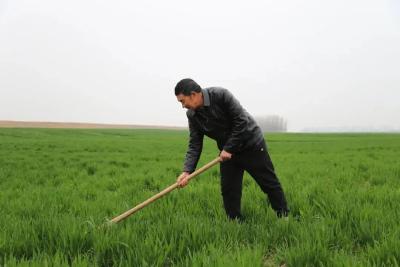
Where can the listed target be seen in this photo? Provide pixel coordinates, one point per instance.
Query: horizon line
(94, 125)
(82, 125)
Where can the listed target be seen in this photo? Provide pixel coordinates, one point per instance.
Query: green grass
(57, 187)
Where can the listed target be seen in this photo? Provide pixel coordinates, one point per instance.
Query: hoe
(162, 193)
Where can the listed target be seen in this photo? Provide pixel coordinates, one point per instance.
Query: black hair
(186, 87)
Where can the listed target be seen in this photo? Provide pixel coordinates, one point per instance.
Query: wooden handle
(164, 192)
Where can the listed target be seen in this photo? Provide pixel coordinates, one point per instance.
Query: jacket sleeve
(194, 149)
(239, 122)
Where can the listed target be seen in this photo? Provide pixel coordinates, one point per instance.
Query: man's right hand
(182, 179)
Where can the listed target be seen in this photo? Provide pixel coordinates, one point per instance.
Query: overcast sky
(319, 64)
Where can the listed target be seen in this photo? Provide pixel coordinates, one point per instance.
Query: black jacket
(223, 119)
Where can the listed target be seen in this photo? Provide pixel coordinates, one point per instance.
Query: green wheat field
(59, 186)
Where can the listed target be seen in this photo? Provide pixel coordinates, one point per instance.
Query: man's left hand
(224, 156)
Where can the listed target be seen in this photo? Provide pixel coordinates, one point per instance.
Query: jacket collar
(206, 97)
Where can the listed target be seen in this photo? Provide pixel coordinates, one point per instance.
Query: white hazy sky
(317, 63)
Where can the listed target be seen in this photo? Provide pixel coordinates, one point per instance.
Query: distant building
(271, 123)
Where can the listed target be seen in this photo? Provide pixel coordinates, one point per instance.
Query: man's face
(191, 101)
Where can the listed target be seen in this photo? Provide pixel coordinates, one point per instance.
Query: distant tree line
(271, 123)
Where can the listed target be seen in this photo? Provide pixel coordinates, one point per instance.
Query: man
(216, 113)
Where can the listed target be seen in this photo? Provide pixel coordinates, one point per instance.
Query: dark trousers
(258, 164)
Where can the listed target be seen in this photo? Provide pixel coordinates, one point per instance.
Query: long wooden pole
(163, 193)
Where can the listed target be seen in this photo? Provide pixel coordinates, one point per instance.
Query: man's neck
(202, 99)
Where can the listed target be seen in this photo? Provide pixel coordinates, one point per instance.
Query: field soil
(80, 125)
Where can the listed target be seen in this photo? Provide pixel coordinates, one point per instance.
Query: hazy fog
(319, 64)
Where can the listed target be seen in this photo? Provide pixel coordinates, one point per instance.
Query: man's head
(188, 92)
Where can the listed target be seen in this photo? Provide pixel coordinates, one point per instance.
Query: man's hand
(182, 179)
(225, 155)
